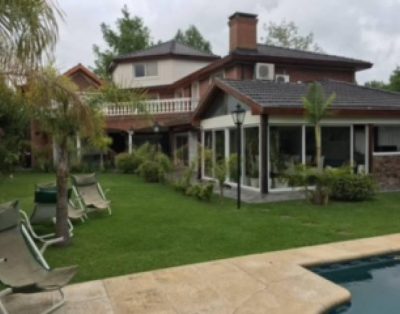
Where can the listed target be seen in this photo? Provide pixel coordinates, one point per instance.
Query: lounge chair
(46, 202)
(22, 266)
(89, 193)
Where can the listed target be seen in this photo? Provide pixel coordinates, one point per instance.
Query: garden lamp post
(156, 129)
(238, 118)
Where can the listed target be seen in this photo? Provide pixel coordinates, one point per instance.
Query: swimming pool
(374, 284)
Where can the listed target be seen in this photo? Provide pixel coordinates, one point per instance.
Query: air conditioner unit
(282, 78)
(265, 71)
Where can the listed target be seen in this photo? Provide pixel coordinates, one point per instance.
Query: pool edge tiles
(368, 280)
(272, 282)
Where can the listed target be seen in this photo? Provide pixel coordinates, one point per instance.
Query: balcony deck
(156, 106)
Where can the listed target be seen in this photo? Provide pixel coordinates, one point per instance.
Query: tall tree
(13, 126)
(393, 85)
(193, 38)
(286, 34)
(394, 80)
(130, 35)
(316, 106)
(376, 84)
(28, 34)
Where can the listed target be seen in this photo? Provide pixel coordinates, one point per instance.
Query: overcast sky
(364, 29)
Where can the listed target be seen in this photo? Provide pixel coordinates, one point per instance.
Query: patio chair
(22, 267)
(46, 202)
(89, 193)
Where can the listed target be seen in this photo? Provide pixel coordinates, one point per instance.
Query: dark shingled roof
(288, 95)
(171, 47)
(280, 52)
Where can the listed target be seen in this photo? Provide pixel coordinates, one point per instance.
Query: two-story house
(192, 93)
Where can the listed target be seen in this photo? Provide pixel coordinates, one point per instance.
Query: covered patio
(362, 131)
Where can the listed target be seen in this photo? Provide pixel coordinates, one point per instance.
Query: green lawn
(153, 226)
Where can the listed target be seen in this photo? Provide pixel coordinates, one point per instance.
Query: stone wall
(386, 170)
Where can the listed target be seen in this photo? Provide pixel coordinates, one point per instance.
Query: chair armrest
(47, 243)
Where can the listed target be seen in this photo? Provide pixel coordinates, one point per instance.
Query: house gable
(85, 79)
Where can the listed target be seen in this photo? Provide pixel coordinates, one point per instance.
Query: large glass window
(252, 157)
(219, 146)
(182, 149)
(233, 155)
(359, 154)
(207, 153)
(335, 146)
(387, 138)
(285, 153)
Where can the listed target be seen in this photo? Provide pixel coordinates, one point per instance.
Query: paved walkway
(273, 282)
(252, 196)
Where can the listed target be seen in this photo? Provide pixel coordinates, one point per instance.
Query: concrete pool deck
(274, 282)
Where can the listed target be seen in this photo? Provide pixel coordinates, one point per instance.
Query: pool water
(374, 284)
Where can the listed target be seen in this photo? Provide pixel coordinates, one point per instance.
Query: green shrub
(183, 183)
(150, 171)
(202, 191)
(352, 187)
(126, 163)
(144, 153)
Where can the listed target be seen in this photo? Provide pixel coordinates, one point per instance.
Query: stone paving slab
(274, 282)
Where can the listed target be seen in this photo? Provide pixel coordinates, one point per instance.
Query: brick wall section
(242, 32)
(386, 170)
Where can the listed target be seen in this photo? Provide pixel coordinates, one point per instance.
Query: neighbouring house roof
(296, 54)
(273, 97)
(83, 77)
(169, 48)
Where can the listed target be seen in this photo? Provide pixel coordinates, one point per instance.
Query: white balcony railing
(156, 106)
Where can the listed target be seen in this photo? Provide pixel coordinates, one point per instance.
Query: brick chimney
(242, 31)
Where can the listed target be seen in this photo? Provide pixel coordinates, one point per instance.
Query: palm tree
(28, 34)
(317, 106)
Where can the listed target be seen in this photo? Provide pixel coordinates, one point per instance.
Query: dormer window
(145, 69)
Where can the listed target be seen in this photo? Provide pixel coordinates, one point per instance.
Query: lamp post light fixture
(238, 118)
(156, 127)
(131, 132)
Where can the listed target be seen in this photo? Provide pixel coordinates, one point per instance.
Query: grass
(153, 226)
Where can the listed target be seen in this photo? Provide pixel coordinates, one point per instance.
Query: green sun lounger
(22, 267)
(89, 193)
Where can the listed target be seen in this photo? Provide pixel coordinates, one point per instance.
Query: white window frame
(390, 153)
(145, 64)
(303, 149)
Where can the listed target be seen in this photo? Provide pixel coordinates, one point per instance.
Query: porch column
(78, 147)
(130, 145)
(264, 154)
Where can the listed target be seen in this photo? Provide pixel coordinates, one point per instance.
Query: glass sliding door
(219, 149)
(285, 146)
(207, 153)
(360, 149)
(251, 157)
(335, 146)
(182, 149)
(233, 155)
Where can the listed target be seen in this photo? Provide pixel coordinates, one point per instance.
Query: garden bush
(202, 191)
(151, 171)
(127, 163)
(352, 187)
(155, 168)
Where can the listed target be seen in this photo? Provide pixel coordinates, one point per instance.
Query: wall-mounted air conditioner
(282, 78)
(265, 71)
